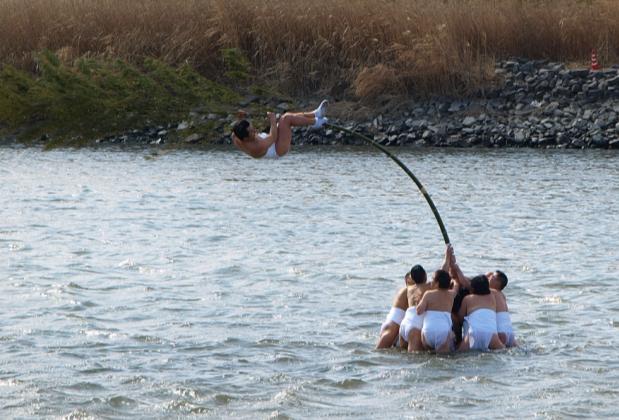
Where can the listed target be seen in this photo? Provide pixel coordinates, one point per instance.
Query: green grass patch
(237, 66)
(74, 104)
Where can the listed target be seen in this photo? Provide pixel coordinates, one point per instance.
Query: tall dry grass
(369, 47)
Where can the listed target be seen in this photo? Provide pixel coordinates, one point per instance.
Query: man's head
(480, 285)
(497, 280)
(418, 274)
(243, 129)
(442, 279)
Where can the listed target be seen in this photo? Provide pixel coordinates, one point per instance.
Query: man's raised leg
(284, 129)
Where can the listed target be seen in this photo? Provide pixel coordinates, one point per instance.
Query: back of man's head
(480, 285)
(442, 278)
(241, 129)
(418, 274)
(502, 279)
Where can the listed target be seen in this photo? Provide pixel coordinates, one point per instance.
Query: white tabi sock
(321, 111)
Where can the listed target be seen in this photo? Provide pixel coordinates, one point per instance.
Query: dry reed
(369, 47)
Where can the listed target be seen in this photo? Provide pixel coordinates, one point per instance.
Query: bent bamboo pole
(405, 169)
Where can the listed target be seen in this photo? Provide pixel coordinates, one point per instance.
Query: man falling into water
(276, 142)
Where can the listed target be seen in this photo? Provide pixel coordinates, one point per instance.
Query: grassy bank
(364, 47)
(89, 98)
(114, 63)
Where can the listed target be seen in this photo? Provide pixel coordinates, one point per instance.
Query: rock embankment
(534, 104)
(539, 104)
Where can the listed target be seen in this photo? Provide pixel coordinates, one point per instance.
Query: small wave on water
(19, 247)
(79, 414)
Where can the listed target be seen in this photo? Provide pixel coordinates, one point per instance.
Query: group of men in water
(451, 313)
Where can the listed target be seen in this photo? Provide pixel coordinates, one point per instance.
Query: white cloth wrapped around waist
(271, 152)
(395, 315)
(504, 322)
(411, 320)
(481, 326)
(504, 326)
(436, 328)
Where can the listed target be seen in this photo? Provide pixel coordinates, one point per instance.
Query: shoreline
(537, 104)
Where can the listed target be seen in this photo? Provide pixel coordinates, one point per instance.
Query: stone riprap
(538, 104)
(534, 104)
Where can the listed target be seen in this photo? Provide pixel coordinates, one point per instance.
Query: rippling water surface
(206, 283)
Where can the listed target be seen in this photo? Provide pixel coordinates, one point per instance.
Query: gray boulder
(469, 121)
(194, 138)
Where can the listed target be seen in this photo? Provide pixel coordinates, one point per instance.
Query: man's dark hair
(418, 274)
(241, 129)
(442, 278)
(502, 278)
(480, 285)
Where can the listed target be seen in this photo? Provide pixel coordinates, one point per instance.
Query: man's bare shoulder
(401, 298)
(402, 291)
(469, 298)
(498, 295)
(423, 289)
(238, 143)
(411, 290)
(254, 148)
(416, 292)
(416, 288)
(430, 295)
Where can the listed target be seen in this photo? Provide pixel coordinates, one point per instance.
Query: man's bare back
(415, 292)
(437, 300)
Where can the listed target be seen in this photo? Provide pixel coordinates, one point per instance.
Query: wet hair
(502, 278)
(480, 285)
(241, 129)
(442, 278)
(418, 274)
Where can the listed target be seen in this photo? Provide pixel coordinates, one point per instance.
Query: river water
(204, 283)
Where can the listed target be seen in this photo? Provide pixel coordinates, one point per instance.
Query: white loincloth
(411, 320)
(395, 315)
(271, 152)
(436, 328)
(504, 326)
(481, 326)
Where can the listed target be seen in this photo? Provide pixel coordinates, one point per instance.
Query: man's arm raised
(455, 272)
(272, 137)
(457, 275)
(447, 258)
